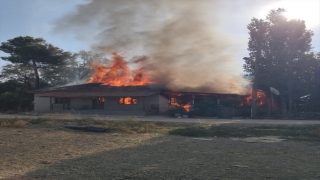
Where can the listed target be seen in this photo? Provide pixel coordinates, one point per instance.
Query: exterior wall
(57, 107)
(111, 104)
(41, 104)
(80, 103)
(163, 104)
(154, 104)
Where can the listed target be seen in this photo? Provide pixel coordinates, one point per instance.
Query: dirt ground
(58, 153)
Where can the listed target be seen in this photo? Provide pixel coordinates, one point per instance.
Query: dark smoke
(186, 49)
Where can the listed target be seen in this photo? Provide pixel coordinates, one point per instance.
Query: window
(98, 102)
(61, 100)
(101, 99)
(127, 100)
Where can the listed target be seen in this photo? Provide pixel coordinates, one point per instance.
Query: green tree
(34, 52)
(82, 61)
(258, 30)
(18, 72)
(274, 55)
(14, 96)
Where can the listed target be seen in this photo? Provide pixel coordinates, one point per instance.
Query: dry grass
(29, 149)
(60, 116)
(50, 152)
(129, 126)
(13, 123)
(19, 124)
(44, 149)
(5, 124)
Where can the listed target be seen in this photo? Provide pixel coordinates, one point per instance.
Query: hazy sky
(37, 18)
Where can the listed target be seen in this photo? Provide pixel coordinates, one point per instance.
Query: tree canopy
(277, 49)
(34, 52)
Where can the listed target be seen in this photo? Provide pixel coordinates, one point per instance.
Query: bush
(19, 124)
(5, 124)
(13, 123)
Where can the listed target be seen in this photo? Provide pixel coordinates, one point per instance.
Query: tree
(273, 56)
(257, 44)
(82, 61)
(34, 52)
(311, 82)
(14, 96)
(76, 69)
(290, 40)
(18, 72)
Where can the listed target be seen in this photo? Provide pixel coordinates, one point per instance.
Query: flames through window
(127, 100)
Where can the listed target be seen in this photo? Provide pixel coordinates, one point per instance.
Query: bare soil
(53, 152)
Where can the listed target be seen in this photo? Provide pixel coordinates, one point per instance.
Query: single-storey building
(95, 98)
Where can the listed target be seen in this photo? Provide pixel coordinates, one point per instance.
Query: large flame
(261, 99)
(118, 73)
(186, 107)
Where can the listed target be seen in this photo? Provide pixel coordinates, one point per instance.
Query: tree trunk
(255, 86)
(36, 74)
(254, 100)
(283, 106)
(290, 87)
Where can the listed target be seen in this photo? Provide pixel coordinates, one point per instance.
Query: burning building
(186, 57)
(123, 100)
(115, 89)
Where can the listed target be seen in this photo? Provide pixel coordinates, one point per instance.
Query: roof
(96, 90)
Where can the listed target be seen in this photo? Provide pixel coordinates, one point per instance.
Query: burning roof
(118, 73)
(186, 49)
(96, 90)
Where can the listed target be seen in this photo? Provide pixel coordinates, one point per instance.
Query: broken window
(127, 100)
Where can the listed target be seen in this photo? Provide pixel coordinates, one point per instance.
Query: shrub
(19, 124)
(5, 124)
(13, 123)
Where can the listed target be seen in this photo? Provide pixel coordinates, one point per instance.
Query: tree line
(280, 56)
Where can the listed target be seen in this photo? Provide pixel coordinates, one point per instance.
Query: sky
(36, 18)
(76, 25)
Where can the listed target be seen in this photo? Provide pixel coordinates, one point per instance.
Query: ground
(49, 151)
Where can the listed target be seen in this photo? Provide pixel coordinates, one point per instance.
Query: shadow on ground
(177, 157)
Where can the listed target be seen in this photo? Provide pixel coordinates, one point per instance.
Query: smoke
(186, 48)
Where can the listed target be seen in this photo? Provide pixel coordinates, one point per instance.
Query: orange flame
(186, 107)
(118, 73)
(261, 99)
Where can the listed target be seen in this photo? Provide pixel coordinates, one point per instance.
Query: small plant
(19, 124)
(13, 123)
(5, 124)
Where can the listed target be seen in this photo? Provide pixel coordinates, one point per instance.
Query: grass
(129, 126)
(13, 123)
(133, 126)
(288, 132)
